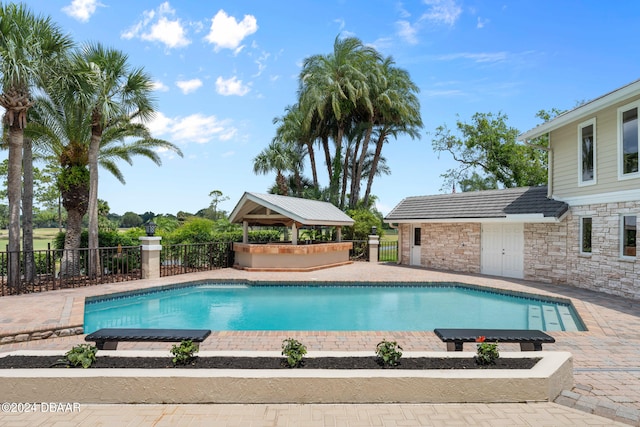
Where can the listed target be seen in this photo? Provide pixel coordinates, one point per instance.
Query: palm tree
(293, 129)
(29, 48)
(332, 88)
(397, 112)
(112, 92)
(279, 157)
(64, 135)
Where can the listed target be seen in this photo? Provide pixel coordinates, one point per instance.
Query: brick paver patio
(606, 359)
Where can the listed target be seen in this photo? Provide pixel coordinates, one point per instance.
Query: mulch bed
(15, 362)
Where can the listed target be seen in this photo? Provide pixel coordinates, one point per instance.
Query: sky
(224, 69)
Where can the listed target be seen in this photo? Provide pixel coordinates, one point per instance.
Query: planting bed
(264, 381)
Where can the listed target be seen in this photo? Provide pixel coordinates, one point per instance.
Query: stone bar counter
(290, 257)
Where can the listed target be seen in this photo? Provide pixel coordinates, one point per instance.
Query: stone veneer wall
(604, 270)
(405, 239)
(545, 252)
(451, 246)
(552, 250)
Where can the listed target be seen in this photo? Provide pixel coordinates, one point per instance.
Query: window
(628, 140)
(587, 152)
(416, 236)
(585, 235)
(628, 240)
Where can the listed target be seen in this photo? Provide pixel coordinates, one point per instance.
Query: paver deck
(606, 358)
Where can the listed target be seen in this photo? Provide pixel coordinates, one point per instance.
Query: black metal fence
(359, 251)
(191, 258)
(60, 269)
(388, 251)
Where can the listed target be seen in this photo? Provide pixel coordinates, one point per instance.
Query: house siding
(564, 144)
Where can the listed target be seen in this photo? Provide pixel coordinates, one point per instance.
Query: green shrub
(487, 352)
(82, 354)
(294, 350)
(388, 352)
(184, 353)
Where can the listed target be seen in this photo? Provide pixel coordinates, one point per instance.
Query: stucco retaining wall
(544, 382)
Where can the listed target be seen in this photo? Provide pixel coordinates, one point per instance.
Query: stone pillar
(245, 232)
(374, 243)
(294, 234)
(151, 248)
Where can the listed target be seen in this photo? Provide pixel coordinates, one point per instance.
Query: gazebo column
(339, 233)
(245, 232)
(294, 234)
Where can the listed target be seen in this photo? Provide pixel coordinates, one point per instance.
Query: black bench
(107, 339)
(530, 340)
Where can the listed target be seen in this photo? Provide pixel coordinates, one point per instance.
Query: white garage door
(503, 250)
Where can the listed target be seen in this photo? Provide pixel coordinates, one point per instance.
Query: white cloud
(227, 33)
(160, 87)
(188, 86)
(82, 9)
(231, 86)
(156, 26)
(193, 128)
(407, 32)
(483, 57)
(442, 11)
(482, 22)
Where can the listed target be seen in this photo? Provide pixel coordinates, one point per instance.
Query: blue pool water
(344, 307)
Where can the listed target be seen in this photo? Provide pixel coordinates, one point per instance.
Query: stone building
(579, 230)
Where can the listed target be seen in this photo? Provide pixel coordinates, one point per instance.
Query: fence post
(374, 243)
(151, 248)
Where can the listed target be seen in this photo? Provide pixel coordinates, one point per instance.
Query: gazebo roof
(272, 209)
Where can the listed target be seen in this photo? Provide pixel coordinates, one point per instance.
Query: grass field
(41, 237)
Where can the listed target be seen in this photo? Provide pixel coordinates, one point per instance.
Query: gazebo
(255, 209)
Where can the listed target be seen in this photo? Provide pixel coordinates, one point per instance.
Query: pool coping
(544, 382)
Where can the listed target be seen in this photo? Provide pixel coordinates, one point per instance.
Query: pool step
(551, 320)
(567, 319)
(535, 317)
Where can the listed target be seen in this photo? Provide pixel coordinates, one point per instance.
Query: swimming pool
(328, 307)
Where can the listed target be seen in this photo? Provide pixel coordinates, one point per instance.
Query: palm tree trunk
(312, 160)
(334, 183)
(360, 166)
(94, 149)
(374, 165)
(27, 211)
(345, 176)
(70, 263)
(14, 185)
(327, 155)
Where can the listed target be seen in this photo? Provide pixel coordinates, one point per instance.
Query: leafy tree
(131, 219)
(364, 219)
(217, 197)
(487, 147)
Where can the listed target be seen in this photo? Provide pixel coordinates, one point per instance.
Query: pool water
(313, 307)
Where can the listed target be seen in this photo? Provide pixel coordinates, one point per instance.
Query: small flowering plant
(487, 352)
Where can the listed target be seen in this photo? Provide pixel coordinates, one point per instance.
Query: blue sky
(224, 69)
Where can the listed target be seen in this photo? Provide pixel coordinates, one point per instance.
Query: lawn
(41, 237)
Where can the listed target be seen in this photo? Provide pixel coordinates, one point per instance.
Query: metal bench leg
(107, 345)
(454, 346)
(530, 346)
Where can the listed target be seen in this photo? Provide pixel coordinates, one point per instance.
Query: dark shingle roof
(478, 205)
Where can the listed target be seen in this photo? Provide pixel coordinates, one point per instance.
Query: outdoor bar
(294, 253)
